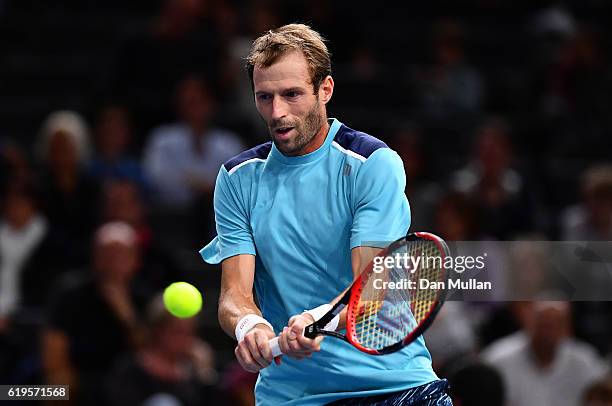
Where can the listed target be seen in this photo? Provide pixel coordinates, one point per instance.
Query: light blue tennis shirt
(301, 216)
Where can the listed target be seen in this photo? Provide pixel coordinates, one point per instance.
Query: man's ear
(326, 90)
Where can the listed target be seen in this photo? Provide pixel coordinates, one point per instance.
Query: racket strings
(424, 298)
(385, 316)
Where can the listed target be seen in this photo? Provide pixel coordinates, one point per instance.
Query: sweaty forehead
(290, 70)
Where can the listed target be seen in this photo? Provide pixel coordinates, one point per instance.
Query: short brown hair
(291, 37)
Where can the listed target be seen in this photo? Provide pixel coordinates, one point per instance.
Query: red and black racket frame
(352, 296)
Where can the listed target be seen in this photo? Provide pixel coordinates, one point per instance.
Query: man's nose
(279, 108)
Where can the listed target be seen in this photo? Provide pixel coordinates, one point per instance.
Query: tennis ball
(182, 300)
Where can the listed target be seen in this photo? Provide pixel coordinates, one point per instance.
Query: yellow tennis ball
(182, 300)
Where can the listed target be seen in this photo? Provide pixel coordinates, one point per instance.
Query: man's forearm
(232, 308)
(236, 297)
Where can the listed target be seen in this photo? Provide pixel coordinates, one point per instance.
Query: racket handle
(275, 347)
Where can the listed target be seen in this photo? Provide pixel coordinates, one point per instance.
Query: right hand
(253, 352)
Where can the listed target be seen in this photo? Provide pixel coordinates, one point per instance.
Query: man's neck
(544, 359)
(198, 133)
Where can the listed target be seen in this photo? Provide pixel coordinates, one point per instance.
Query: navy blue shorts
(430, 394)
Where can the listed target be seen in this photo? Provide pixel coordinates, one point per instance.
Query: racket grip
(275, 347)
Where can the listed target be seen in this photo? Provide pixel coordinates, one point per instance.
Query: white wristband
(320, 311)
(247, 323)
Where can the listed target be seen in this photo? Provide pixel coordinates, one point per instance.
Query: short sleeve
(381, 210)
(234, 234)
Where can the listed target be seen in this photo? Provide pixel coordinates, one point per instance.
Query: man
(92, 320)
(294, 216)
(542, 364)
(180, 159)
(173, 363)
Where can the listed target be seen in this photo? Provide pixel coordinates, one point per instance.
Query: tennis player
(296, 218)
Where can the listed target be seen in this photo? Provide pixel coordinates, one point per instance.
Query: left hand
(292, 341)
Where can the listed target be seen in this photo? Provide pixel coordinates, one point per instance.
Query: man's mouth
(283, 133)
(283, 130)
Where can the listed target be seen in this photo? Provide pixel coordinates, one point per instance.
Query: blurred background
(116, 116)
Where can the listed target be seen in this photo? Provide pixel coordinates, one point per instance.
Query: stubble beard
(305, 132)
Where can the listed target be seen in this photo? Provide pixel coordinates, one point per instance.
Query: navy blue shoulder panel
(260, 151)
(358, 142)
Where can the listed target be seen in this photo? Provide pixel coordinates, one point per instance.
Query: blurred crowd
(106, 182)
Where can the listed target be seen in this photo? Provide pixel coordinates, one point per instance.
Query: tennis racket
(389, 308)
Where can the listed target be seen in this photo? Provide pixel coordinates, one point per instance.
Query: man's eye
(292, 95)
(263, 97)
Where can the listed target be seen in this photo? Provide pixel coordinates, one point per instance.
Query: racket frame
(352, 295)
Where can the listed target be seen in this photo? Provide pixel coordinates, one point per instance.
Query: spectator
(174, 362)
(591, 220)
(182, 159)
(28, 261)
(27, 266)
(542, 365)
(450, 87)
(68, 195)
(530, 267)
(94, 320)
(507, 319)
(113, 137)
(503, 201)
(452, 334)
(122, 201)
(570, 76)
